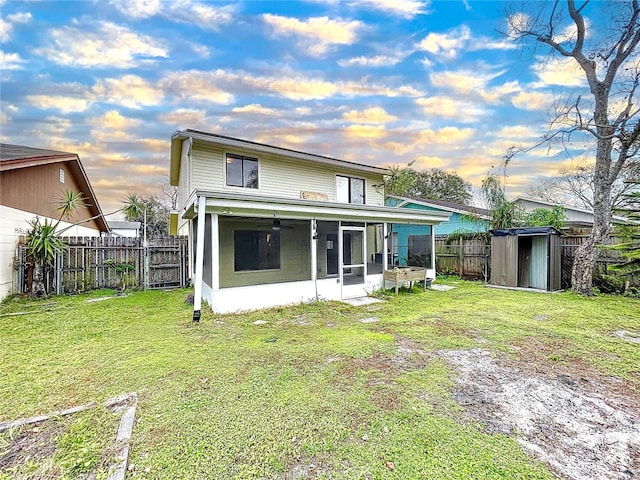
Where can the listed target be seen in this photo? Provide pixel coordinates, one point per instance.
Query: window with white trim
(350, 190)
(241, 171)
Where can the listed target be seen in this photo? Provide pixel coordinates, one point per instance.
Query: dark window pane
(419, 251)
(357, 191)
(250, 172)
(234, 171)
(256, 250)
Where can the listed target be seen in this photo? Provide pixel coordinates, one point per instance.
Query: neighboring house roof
(445, 205)
(13, 157)
(179, 136)
(573, 214)
(124, 225)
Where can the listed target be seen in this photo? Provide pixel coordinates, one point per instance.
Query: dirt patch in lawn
(35, 443)
(576, 423)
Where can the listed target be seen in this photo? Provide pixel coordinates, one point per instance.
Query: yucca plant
(43, 242)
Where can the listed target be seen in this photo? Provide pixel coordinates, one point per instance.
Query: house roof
(445, 205)
(18, 156)
(544, 204)
(124, 224)
(180, 135)
(237, 204)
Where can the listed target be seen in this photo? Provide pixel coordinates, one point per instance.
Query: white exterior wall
(228, 300)
(277, 176)
(184, 186)
(15, 223)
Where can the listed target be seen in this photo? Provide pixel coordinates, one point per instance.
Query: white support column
(433, 249)
(197, 296)
(385, 243)
(215, 253)
(314, 255)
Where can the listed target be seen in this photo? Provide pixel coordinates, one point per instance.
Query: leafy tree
(544, 217)
(504, 214)
(43, 242)
(433, 184)
(605, 50)
(630, 250)
(149, 208)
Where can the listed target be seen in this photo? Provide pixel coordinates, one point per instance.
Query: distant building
(124, 229)
(31, 182)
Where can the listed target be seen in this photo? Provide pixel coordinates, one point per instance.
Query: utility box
(528, 257)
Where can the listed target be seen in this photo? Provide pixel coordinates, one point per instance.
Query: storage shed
(527, 257)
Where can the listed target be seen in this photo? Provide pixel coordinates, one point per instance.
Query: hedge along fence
(111, 262)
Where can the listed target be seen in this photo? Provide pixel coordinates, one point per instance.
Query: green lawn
(314, 392)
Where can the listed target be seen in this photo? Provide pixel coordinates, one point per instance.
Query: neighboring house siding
(37, 189)
(295, 255)
(277, 176)
(14, 224)
(457, 221)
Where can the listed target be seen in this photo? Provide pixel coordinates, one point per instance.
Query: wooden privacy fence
(471, 257)
(466, 257)
(111, 262)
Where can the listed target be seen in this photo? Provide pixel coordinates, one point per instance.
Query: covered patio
(251, 252)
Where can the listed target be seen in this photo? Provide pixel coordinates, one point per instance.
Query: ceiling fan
(276, 225)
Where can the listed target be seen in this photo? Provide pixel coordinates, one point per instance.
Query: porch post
(385, 244)
(433, 249)
(215, 253)
(197, 296)
(314, 255)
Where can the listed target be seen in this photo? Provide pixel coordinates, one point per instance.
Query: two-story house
(272, 226)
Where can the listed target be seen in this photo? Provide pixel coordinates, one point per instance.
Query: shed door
(538, 269)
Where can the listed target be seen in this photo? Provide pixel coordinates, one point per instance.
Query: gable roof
(445, 205)
(544, 204)
(180, 135)
(13, 157)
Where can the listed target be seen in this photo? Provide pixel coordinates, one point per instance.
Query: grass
(313, 392)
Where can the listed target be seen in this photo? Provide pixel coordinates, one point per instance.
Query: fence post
(461, 256)
(58, 274)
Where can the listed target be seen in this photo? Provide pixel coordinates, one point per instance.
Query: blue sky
(374, 81)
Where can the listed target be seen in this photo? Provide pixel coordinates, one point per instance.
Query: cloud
(463, 81)
(10, 61)
(448, 107)
(6, 26)
(139, 8)
(129, 91)
(203, 15)
(59, 102)
(318, 34)
(113, 120)
(184, 117)
(255, 109)
(384, 59)
(365, 131)
(103, 44)
(200, 50)
(400, 8)
(533, 100)
(370, 115)
(558, 71)
(198, 85)
(446, 44)
(446, 135)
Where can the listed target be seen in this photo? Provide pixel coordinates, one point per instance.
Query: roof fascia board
(307, 157)
(441, 207)
(35, 161)
(270, 207)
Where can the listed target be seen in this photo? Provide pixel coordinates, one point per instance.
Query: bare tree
(574, 186)
(171, 194)
(608, 112)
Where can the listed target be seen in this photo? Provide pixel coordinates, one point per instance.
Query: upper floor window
(349, 190)
(242, 171)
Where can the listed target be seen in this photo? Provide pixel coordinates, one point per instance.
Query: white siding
(278, 176)
(14, 224)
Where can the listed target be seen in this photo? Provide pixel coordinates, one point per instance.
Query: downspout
(197, 296)
(314, 255)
